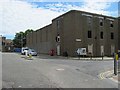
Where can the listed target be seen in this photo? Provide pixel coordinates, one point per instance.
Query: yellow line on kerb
(102, 75)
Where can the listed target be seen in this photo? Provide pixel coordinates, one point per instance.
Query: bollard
(115, 64)
(117, 57)
(30, 56)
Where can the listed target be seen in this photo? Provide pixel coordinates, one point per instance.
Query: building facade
(2, 43)
(6, 45)
(77, 29)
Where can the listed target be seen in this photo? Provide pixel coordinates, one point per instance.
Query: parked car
(32, 52)
(23, 50)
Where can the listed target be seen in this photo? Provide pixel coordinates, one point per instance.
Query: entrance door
(102, 50)
(58, 50)
(90, 49)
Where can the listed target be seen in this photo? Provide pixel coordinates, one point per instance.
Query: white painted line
(103, 75)
(60, 69)
(19, 86)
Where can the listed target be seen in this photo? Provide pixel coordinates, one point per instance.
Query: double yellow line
(105, 74)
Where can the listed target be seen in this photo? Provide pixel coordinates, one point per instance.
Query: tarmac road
(18, 72)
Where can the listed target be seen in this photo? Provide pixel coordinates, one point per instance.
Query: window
(58, 38)
(112, 35)
(101, 22)
(101, 35)
(111, 23)
(89, 20)
(3, 43)
(89, 34)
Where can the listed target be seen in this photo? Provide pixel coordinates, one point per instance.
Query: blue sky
(20, 15)
(113, 6)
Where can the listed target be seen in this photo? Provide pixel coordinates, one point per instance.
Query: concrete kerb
(76, 58)
(94, 59)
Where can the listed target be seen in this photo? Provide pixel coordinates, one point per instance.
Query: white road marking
(60, 69)
(103, 75)
(19, 86)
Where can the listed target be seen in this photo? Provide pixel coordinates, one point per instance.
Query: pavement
(94, 58)
(46, 56)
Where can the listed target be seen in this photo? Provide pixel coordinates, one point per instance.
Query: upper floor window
(89, 20)
(101, 35)
(112, 35)
(111, 23)
(89, 34)
(101, 22)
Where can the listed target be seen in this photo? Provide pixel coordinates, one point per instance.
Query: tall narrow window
(101, 22)
(89, 20)
(112, 35)
(89, 34)
(101, 35)
(111, 23)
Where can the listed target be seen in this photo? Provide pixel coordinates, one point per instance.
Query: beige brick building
(77, 29)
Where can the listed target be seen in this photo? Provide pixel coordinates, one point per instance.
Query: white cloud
(20, 16)
(98, 6)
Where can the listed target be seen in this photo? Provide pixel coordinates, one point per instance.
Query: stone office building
(77, 29)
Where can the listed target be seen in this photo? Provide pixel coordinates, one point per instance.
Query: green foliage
(20, 38)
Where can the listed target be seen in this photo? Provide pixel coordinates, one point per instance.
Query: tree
(20, 38)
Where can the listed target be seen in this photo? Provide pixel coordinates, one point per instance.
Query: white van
(23, 50)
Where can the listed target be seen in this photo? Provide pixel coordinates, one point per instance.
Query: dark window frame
(112, 35)
(101, 22)
(111, 24)
(101, 35)
(89, 34)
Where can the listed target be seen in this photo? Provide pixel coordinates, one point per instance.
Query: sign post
(115, 63)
